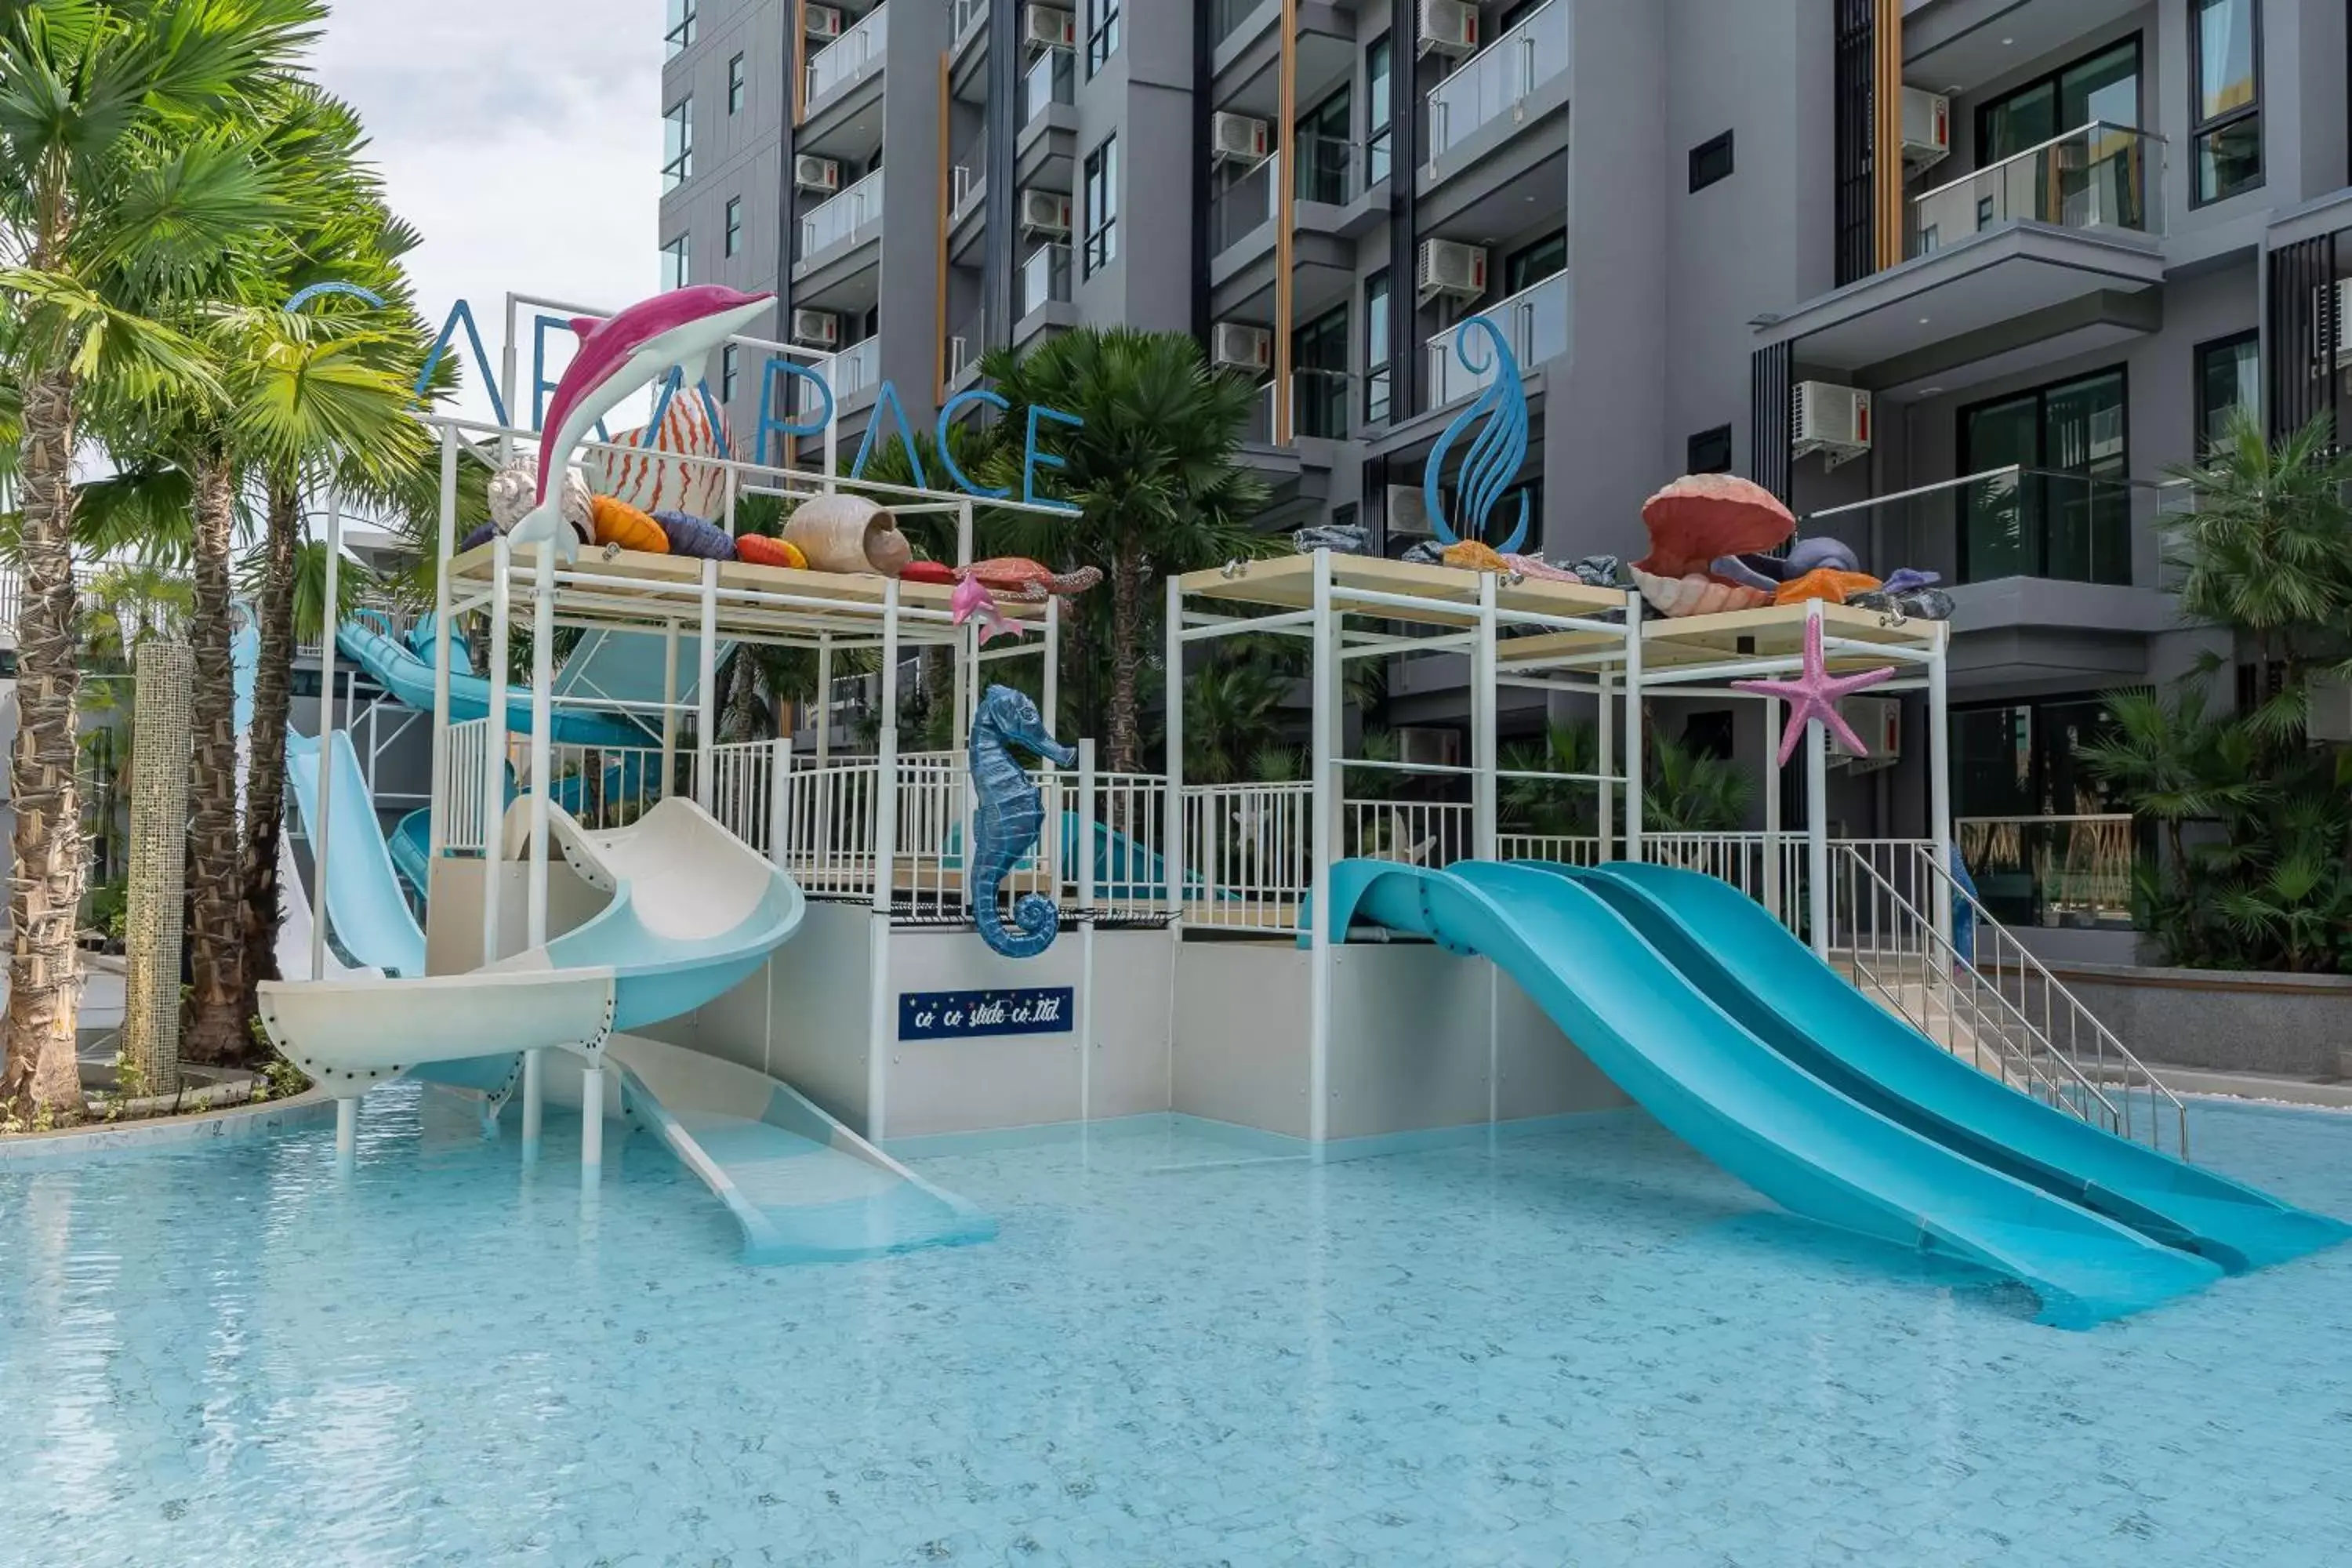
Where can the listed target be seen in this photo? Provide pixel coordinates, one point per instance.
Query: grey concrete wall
(2300, 1026)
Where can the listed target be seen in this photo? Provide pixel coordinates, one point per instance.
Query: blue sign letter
(956, 475)
(886, 401)
(769, 402)
(1033, 459)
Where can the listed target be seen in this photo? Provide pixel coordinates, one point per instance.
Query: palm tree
(115, 188)
(1151, 473)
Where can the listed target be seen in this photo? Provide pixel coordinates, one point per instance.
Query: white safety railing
(743, 794)
(838, 218)
(857, 366)
(1249, 850)
(1414, 832)
(1561, 849)
(1495, 80)
(460, 786)
(601, 786)
(381, 614)
(844, 60)
(1128, 820)
(1534, 321)
(829, 820)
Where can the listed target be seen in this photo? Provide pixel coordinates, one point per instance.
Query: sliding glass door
(2068, 513)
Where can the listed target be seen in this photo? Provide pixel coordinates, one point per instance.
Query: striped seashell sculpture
(514, 491)
(661, 477)
(848, 533)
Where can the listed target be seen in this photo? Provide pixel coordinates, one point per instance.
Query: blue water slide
(366, 907)
(1750, 965)
(409, 678)
(1802, 1142)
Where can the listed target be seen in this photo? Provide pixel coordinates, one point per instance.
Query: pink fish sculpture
(971, 601)
(620, 356)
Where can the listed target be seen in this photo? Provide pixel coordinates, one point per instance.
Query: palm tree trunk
(265, 793)
(45, 897)
(216, 939)
(1126, 656)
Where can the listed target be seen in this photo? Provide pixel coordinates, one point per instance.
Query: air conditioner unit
(817, 328)
(1048, 27)
(1449, 269)
(1878, 722)
(1831, 419)
(823, 21)
(1408, 513)
(1449, 27)
(1046, 212)
(1428, 747)
(811, 172)
(1927, 128)
(1237, 138)
(1237, 345)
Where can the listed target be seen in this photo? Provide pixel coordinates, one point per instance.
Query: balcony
(1046, 148)
(966, 342)
(2099, 177)
(1042, 293)
(967, 192)
(1519, 78)
(1242, 208)
(1320, 403)
(839, 221)
(1332, 211)
(968, 51)
(1245, 57)
(853, 58)
(1534, 321)
(856, 370)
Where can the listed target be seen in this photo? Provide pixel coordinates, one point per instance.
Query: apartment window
(730, 361)
(1102, 205)
(2229, 378)
(1102, 33)
(677, 145)
(1377, 382)
(680, 32)
(674, 263)
(1531, 264)
(734, 224)
(1710, 161)
(1324, 154)
(1319, 376)
(736, 79)
(1379, 101)
(1710, 451)
(2103, 86)
(2226, 114)
(2066, 514)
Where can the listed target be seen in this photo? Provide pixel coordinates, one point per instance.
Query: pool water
(1588, 1347)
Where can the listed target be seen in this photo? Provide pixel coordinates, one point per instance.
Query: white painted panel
(1241, 1033)
(1409, 1040)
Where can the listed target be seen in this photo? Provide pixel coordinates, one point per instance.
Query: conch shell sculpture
(845, 532)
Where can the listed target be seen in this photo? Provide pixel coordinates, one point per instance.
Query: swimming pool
(1585, 1347)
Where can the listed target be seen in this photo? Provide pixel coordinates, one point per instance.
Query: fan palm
(116, 189)
(1150, 473)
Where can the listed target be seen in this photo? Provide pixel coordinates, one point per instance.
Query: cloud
(521, 137)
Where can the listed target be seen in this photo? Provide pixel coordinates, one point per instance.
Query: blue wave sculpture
(1494, 458)
(1008, 815)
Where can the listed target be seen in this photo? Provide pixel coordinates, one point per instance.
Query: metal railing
(1245, 205)
(966, 344)
(2017, 522)
(601, 786)
(857, 367)
(1534, 321)
(1230, 14)
(2097, 177)
(968, 178)
(837, 218)
(1249, 850)
(385, 613)
(1499, 79)
(1046, 278)
(1320, 403)
(1052, 78)
(966, 15)
(460, 786)
(844, 60)
(1329, 171)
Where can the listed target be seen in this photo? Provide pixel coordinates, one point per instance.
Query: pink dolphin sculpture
(618, 356)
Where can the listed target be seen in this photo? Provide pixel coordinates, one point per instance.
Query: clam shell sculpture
(848, 533)
(1696, 593)
(1702, 516)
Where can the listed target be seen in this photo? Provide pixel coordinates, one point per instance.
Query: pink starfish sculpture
(1815, 694)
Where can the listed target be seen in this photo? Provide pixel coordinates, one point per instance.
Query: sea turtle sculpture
(1032, 582)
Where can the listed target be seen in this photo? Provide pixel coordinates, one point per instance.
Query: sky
(521, 137)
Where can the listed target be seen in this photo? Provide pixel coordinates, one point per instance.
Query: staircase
(1898, 934)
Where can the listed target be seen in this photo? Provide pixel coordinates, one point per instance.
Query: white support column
(534, 1101)
(706, 696)
(347, 1132)
(881, 1027)
(1772, 722)
(1607, 730)
(1633, 739)
(320, 833)
(510, 372)
(824, 699)
(780, 784)
(670, 707)
(543, 739)
(437, 843)
(494, 754)
(1051, 686)
(1817, 821)
(1940, 772)
(1172, 857)
(1483, 802)
(1324, 751)
(591, 1122)
(1085, 1019)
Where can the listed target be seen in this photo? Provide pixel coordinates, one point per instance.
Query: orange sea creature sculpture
(1824, 582)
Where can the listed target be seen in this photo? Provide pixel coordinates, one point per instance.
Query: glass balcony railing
(1226, 20)
(1245, 207)
(965, 344)
(2072, 871)
(857, 367)
(2013, 521)
(1492, 83)
(1534, 321)
(967, 15)
(968, 178)
(844, 60)
(833, 221)
(2101, 176)
(1050, 80)
(1045, 278)
(1330, 172)
(1320, 401)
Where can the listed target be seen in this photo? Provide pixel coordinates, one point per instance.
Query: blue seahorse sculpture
(1006, 823)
